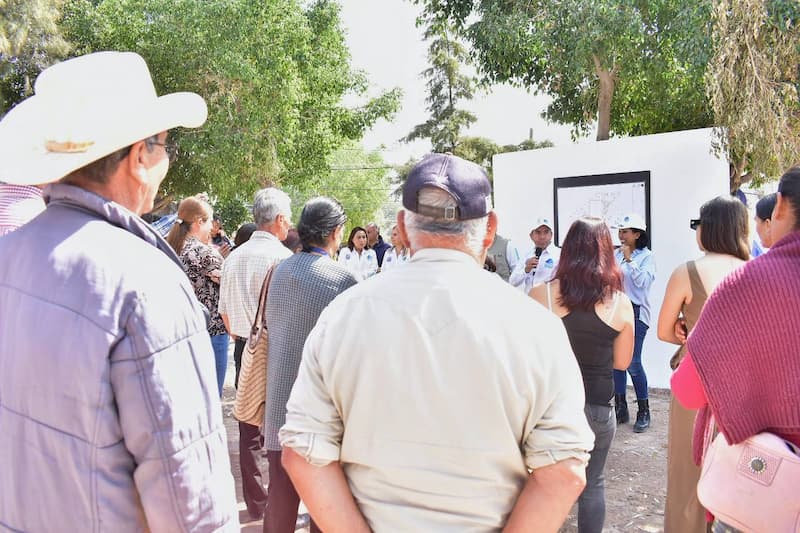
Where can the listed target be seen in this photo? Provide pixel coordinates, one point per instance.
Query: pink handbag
(753, 486)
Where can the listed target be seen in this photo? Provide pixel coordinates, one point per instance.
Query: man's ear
(401, 228)
(135, 162)
(781, 209)
(491, 230)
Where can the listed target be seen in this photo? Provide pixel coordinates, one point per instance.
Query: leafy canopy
(274, 75)
(651, 55)
(753, 83)
(446, 85)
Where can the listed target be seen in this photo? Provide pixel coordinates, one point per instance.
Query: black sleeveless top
(592, 341)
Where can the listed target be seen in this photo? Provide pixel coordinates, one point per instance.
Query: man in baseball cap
(110, 411)
(463, 399)
(541, 261)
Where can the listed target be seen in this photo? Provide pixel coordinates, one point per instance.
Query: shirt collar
(430, 255)
(264, 235)
(72, 197)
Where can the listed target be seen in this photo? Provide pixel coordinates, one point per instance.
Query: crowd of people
(116, 332)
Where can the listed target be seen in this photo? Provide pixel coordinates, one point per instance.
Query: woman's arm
(678, 291)
(623, 344)
(641, 270)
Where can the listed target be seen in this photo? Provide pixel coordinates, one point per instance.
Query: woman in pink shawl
(742, 364)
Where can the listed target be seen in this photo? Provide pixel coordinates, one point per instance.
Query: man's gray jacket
(110, 418)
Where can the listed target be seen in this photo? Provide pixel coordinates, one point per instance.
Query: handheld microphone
(538, 252)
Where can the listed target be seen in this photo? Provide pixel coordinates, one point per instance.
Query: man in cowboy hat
(109, 409)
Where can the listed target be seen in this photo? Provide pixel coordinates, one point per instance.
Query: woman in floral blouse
(190, 237)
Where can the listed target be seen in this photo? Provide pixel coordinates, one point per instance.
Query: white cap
(542, 221)
(632, 221)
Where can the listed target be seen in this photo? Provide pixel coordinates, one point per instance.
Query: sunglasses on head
(694, 223)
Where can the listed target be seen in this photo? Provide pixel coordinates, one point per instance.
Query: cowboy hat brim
(84, 109)
(27, 160)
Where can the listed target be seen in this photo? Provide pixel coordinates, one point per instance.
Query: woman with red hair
(586, 293)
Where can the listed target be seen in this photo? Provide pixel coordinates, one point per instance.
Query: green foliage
(233, 211)
(273, 74)
(652, 54)
(479, 150)
(446, 86)
(753, 83)
(357, 179)
(30, 41)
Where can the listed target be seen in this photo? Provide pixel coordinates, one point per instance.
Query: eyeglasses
(694, 223)
(170, 147)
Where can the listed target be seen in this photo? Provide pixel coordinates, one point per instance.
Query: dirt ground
(635, 471)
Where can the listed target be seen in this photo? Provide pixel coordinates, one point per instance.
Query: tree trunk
(737, 175)
(605, 94)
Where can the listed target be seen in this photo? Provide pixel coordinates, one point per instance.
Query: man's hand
(531, 263)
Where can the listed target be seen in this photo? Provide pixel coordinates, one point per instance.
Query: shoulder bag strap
(260, 323)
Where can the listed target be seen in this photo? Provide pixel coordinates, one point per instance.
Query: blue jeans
(220, 345)
(636, 370)
(592, 501)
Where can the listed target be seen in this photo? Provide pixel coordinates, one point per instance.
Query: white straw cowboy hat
(84, 109)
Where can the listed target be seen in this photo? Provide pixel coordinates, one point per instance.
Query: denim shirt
(637, 278)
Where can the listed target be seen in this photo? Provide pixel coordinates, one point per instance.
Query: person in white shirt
(357, 257)
(243, 274)
(466, 419)
(541, 261)
(397, 255)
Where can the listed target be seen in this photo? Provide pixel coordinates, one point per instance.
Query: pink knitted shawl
(746, 347)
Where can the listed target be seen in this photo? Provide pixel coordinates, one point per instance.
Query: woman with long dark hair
(742, 370)
(357, 256)
(722, 236)
(586, 293)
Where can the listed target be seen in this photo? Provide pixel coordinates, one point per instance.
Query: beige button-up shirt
(473, 386)
(243, 273)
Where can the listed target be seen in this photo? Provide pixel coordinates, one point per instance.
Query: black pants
(282, 499)
(255, 497)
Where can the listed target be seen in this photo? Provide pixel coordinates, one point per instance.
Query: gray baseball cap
(464, 180)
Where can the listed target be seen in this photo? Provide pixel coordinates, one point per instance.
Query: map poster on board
(606, 196)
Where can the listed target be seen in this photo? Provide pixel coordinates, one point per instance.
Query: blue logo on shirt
(549, 263)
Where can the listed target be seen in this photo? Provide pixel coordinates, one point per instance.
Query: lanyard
(320, 251)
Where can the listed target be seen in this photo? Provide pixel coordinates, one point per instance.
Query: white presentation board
(608, 197)
(683, 173)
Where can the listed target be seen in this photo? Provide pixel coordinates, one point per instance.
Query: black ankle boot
(621, 409)
(642, 417)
